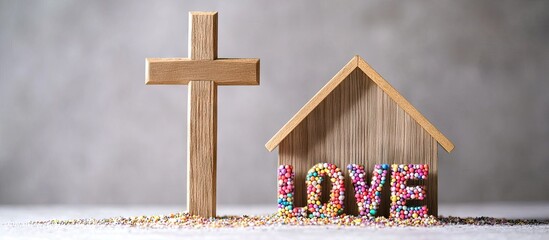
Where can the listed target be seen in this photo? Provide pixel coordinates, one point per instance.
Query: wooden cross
(202, 71)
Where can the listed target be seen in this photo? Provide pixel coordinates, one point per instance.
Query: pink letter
(400, 192)
(286, 207)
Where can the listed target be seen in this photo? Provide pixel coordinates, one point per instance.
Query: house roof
(358, 62)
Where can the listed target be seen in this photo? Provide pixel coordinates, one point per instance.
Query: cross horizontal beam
(223, 71)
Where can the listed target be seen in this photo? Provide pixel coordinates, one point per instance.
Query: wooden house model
(358, 117)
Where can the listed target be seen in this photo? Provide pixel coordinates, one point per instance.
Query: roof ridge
(354, 63)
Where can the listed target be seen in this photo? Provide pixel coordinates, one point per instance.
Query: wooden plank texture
(243, 71)
(202, 148)
(203, 35)
(359, 123)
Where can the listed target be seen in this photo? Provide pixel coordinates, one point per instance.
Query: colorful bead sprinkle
(401, 192)
(314, 179)
(286, 188)
(185, 220)
(368, 198)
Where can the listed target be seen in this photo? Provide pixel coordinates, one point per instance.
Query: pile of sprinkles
(185, 220)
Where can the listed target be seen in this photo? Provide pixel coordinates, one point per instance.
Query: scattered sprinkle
(185, 220)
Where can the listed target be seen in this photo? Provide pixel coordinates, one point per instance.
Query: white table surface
(14, 219)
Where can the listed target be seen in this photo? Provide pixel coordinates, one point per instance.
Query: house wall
(359, 123)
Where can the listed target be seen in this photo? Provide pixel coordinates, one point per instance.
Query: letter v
(368, 198)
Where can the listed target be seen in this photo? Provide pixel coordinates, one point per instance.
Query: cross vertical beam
(202, 148)
(202, 122)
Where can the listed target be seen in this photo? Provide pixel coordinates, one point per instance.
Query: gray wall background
(78, 124)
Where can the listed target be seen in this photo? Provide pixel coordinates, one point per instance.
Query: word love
(368, 198)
